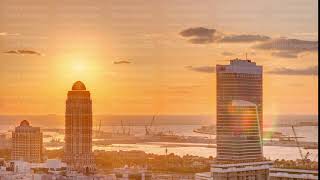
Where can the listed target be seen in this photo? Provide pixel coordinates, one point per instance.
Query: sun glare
(78, 67)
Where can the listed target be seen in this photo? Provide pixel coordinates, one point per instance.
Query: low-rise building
(237, 171)
(203, 176)
(27, 143)
(296, 174)
(127, 173)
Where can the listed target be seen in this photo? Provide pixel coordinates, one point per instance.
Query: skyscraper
(78, 129)
(239, 112)
(27, 143)
(239, 123)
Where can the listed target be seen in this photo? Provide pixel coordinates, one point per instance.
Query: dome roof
(24, 123)
(78, 86)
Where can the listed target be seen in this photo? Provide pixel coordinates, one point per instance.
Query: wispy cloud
(122, 62)
(280, 47)
(310, 71)
(203, 69)
(200, 35)
(284, 44)
(23, 52)
(226, 53)
(288, 48)
(8, 34)
(244, 38)
(285, 54)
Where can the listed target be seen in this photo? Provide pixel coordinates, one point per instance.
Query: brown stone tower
(78, 129)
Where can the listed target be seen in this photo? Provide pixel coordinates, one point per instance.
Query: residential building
(27, 143)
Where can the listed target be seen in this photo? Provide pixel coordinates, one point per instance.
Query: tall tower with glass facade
(239, 112)
(78, 129)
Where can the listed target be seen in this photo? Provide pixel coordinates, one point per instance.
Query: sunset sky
(157, 56)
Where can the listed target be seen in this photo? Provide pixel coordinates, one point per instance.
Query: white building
(296, 174)
(239, 171)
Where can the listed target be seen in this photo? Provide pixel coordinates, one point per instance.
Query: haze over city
(159, 90)
(154, 57)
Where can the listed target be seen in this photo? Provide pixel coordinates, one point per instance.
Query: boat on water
(211, 130)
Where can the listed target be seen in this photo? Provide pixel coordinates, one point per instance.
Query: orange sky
(81, 41)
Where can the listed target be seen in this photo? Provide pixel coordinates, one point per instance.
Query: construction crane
(123, 130)
(147, 128)
(99, 128)
(303, 158)
(298, 144)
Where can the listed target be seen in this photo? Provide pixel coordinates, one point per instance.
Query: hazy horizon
(156, 56)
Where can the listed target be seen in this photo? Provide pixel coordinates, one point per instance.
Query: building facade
(27, 143)
(296, 174)
(239, 112)
(78, 129)
(241, 171)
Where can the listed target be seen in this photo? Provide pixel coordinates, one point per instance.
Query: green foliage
(108, 160)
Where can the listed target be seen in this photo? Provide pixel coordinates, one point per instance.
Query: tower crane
(123, 130)
(303, 158)
(147, 128)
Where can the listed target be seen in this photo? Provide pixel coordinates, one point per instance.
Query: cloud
(122, 62)
(244, 38)
(203, 69)
(310, 71)
(285, 54)
(292, 45)
(23, 52)
(288, 48)
(200, 35)
(225, 53)
(9, 34)
(280, 47)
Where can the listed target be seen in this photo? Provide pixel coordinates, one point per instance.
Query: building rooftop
(240, 66)
(233, 164)
(24, 123)
(294, 170)
(26, 127)
(78, 86)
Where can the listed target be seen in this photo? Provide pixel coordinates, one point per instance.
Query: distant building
(128, 173)
(172, 176)
(243, 171)
(239, 111)
(288, 174)
(78, 129)
(52, 169)
(27, 143)
(5, 142)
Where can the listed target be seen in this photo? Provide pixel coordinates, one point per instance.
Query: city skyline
(159, 90)
(163, 67)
